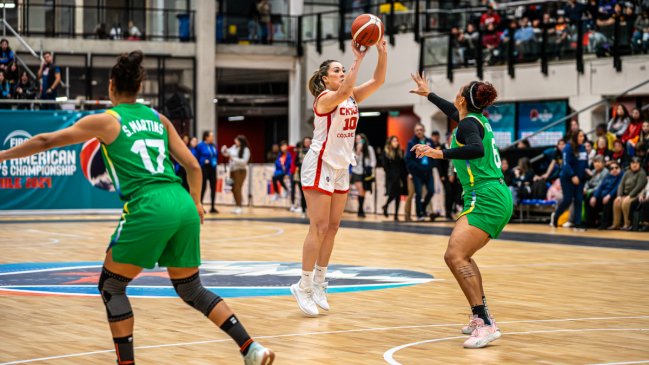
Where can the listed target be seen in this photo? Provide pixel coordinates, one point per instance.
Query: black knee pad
(112, 288)
(192, 292)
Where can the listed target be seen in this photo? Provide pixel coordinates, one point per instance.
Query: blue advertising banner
(502, 118)
(52, 179)
(536, 115)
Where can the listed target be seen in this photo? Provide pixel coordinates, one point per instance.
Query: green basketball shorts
(488, 206)
(159, 224)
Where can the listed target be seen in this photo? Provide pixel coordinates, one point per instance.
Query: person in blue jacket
(603, 197)
(572, 177)
(207, 155)
(282, 168)
(421, 170)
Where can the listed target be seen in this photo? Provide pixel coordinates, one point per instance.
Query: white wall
(563, 82)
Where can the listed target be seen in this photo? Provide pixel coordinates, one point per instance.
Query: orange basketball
(367, 29)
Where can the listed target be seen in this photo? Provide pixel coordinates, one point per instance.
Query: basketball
(367, 29)
(92, 164)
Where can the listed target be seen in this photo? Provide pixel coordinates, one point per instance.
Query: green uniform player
(161, 220)
(487, 200)
(159, 223)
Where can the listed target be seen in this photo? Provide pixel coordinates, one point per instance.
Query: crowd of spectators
(603, 180)
(525, 24)
(16, 84)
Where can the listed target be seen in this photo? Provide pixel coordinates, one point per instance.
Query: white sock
(319, 274)
(306, 281)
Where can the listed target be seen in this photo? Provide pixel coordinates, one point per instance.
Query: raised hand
(356, 48)
(381, 46)
(422, 84)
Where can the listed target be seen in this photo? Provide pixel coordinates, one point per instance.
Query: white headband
(471, 95)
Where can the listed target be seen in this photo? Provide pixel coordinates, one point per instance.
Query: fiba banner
(502, 118)
(68, 178)
(536, 115)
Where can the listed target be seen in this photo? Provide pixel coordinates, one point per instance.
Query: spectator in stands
(24, 90)
(601, 202)
(641, 207)
(396, 175)
(490, 17)
(363, 173)
(471, 35)
(573, 11)
(452, 186)
(435, 137)
(100, 31)
(620, 121)
(460, 46)
(590, 152)
(619, 154)
(239, 155)
(271, 155)
(642, 147)
(421, 171)
(50, 75)
(5, 91)
(572, 178)
(632, 133)
(264, 9)
(7, 56)
(134, 33)
(574, 128)
(640, 39)
(116, 32)
(523, 178)
(595, 176)
(282, 168)
(602, 131)
(299, 158)
(193, 143)
(629, 17)
(253, 23)
(491, 44)
(506, 36)
(207, 155)
(632, 184)
(507, 172)
(603, 150)
(523, 144)
(562, 37)
(524, 37)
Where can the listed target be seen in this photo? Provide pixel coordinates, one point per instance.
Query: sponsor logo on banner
(230, 279)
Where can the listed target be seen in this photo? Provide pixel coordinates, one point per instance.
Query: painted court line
(388, 356)
(90, 353)
(624, 363)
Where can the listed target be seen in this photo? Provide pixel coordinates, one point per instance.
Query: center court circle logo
(230, 279)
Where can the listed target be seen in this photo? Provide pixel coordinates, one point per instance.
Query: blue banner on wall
(48, 180)
(536, 115)
(502, 118)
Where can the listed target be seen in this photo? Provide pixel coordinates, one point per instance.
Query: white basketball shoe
(320, 295)
(304, 299)
(258, 355)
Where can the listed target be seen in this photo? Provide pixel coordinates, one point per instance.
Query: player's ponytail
(316, 84)
(127, 74)
(479, 95)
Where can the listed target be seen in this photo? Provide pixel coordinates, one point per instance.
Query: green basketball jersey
(473, 172)
(139, 156)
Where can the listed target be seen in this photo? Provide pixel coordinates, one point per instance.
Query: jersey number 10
(350, 123)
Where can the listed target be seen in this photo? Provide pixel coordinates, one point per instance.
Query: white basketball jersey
(334, 133)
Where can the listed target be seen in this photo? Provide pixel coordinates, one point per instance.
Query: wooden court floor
(556, 304)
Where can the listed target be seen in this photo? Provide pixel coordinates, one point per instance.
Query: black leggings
(209, 174)
(279, 178)
(397, 201)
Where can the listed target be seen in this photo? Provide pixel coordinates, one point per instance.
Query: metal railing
(103, 22)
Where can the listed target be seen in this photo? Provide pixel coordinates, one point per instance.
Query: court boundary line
(371, 329)
(542, 238)
(388, 356)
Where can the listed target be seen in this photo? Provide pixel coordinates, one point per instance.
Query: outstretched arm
(102, 126)
(368, 88)
(422, 89)
(469, 131)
